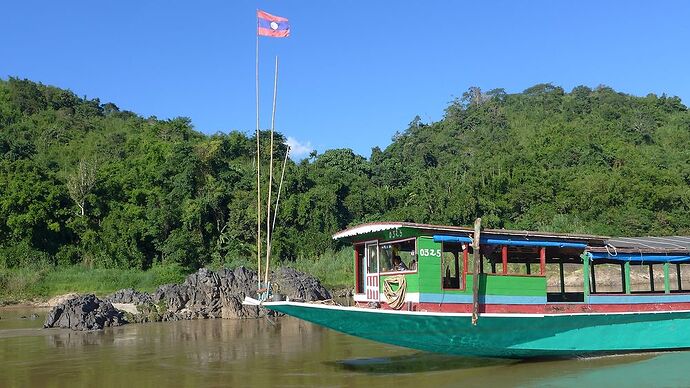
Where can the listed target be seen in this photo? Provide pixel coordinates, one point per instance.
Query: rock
(298, 285)
(33, 316)
(343, 293)
(85, 312)
(208, 294)
(204, 294)
(129, 295)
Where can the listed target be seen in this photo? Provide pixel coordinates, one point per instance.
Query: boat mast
(258, 170)
(270, 175)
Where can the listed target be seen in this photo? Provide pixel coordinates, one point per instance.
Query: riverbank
(37, 284)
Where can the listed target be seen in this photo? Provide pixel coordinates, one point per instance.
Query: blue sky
(352, 73)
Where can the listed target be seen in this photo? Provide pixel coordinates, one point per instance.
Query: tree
(81, 183)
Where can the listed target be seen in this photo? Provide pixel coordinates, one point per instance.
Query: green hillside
(83, 182)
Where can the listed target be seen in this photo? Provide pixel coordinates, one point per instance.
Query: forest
(84, 183)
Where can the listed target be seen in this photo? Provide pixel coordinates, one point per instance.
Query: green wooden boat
(536, 295)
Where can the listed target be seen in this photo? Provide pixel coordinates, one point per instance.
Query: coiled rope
(395, 299)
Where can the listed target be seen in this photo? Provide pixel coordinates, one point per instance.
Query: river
(281, 353)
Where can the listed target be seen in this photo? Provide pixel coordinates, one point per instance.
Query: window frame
(409, 271)
(463, 274)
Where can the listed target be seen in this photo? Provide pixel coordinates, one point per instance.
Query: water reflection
(72, 340)
(289, 352)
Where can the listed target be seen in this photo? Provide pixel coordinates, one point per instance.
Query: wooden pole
(475, 270)
(258, 170)
(270, 174)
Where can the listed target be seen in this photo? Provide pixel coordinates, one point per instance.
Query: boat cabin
(424, 267)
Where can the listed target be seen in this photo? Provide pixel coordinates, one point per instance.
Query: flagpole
(258, 168)
(270, 174)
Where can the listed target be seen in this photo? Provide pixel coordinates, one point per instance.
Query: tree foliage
(84, 182)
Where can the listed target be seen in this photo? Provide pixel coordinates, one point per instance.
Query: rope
(615, 251)
(395, 299)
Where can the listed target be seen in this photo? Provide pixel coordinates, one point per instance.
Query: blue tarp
(640, 258)
(510, 242)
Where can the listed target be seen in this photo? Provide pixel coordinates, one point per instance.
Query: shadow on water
(430, 362)
(415, 363)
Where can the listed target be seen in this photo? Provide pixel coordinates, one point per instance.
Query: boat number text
(430, 252)
(395, 233)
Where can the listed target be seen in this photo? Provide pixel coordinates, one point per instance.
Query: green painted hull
(503, 335)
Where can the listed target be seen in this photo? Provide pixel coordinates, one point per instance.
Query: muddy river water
(282, 353)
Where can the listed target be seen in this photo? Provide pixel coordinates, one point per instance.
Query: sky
(352, 73)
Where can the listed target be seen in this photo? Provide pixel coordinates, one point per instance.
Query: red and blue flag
(271, 25)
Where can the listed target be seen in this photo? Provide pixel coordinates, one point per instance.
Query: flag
(270, 25)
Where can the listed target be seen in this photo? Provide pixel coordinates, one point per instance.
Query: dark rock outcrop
(85, 312)
(129, 295)
(298, 285)
(204, 294)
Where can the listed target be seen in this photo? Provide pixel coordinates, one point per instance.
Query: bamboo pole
(280, 187)
(258, 170)
(475, 270)
(270, 174)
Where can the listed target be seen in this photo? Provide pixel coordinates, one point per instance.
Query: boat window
(607, 278)
(564, 281)
(639, 278)
(398, 256)
(372, 258)
(658, 278)
(678, 275)
(452, 266)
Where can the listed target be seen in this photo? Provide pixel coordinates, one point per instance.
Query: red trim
(267, 16)
(273, 33)
(542, 260)
(358, 269)
(504, 257)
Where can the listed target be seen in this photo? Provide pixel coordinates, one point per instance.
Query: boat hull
(504, 335)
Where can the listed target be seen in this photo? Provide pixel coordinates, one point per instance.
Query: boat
(510, 293)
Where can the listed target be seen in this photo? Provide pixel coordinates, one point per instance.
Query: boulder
(85, 312)
(209, 294)
(204, 294)
(129, 295)
(298, 285)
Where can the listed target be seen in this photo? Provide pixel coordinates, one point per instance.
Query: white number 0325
(430, 252)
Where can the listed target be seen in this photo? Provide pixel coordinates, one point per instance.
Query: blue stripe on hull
(484, 299)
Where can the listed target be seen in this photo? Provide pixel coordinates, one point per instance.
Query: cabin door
(372, 275)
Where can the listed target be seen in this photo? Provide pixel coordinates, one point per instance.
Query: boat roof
(601, 246)
(462, 231)
(666, 242)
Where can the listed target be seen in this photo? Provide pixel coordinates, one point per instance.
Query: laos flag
(270, 25)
